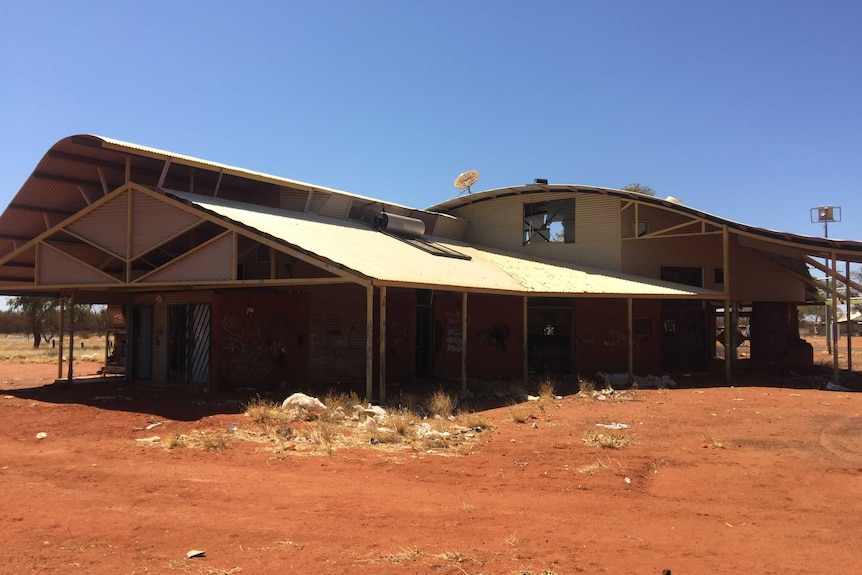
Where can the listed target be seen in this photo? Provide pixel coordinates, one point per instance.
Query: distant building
(228, 277)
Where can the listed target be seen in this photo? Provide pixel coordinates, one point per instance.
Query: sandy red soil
(764, 477)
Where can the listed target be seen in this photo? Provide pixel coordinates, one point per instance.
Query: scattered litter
(533, 398)
(370, 424)
(628, 480)
(535, 425)
(195, 553)
(613, 425)
(373, 410)
(795, 395)
(835, 387)
(148, 440)
(232, 427)
(41, 435)
(728, 524)
(302, 401)
(150, 426)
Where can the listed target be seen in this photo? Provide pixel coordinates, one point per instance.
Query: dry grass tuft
(586, 387)
(339, 404)
(403, 555)
(266, 412)
(475, 420)
(606, 439)
(547, 390)
(208, 440)
(520, 412)
(442, 404)
(592, 467)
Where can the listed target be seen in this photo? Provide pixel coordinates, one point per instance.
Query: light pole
(824, 215)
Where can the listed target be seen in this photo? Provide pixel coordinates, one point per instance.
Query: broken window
(551, 221)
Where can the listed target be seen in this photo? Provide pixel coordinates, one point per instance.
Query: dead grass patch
(607, 439)
(267, 412)
(547, 390)
(592, 467)
(19, 348)
(520, 412)
(475, 421)
(441, 404)
(207, 440)
(344, 425)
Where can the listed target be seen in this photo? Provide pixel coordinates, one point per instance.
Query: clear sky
(749, 110)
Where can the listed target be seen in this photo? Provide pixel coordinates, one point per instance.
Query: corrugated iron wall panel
(450, 228)
(497, 223)
(153, 221)
(56, 268)
(107, 226)
(336, 206)
(646, 256)
(759, 276)
(318, 199)
(657, 220)
(337, 329)
(293, 199)
(213, 262)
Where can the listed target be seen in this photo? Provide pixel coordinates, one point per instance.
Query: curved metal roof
(812, 245)
(79, 169)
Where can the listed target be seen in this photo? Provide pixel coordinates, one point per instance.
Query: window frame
(550, 215)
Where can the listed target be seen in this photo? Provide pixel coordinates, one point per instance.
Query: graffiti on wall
(249, 354)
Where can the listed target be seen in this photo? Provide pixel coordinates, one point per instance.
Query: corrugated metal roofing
(849, 249)
(387, 260)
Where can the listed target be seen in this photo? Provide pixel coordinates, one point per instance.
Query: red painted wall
(601, 327)
(400, 336)
(495, 338)
(259, 338)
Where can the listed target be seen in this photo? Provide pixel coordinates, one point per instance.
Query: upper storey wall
(499, 223)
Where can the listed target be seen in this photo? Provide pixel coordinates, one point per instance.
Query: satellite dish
(467, 179)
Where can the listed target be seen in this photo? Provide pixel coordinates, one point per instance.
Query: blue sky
(749, 110)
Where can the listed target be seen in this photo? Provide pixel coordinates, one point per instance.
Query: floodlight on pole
(824, 215)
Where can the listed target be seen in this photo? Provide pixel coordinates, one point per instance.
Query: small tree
(41, 314)
(639, 189)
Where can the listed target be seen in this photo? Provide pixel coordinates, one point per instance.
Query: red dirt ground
(764, 477)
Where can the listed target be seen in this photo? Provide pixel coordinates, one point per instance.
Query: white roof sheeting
(387, 260)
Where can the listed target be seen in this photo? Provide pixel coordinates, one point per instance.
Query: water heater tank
(401, 225)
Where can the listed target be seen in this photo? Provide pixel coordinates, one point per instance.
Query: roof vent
(401, 225)
(541, 181)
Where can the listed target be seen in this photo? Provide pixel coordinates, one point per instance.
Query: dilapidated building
(226, 277)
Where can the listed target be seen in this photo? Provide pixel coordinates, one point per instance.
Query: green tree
(41, 314)
(639, 189)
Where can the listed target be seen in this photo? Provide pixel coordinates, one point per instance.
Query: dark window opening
(642, 328)
(718, 275)
(683, 275)
(262, 255)
(551, 221)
